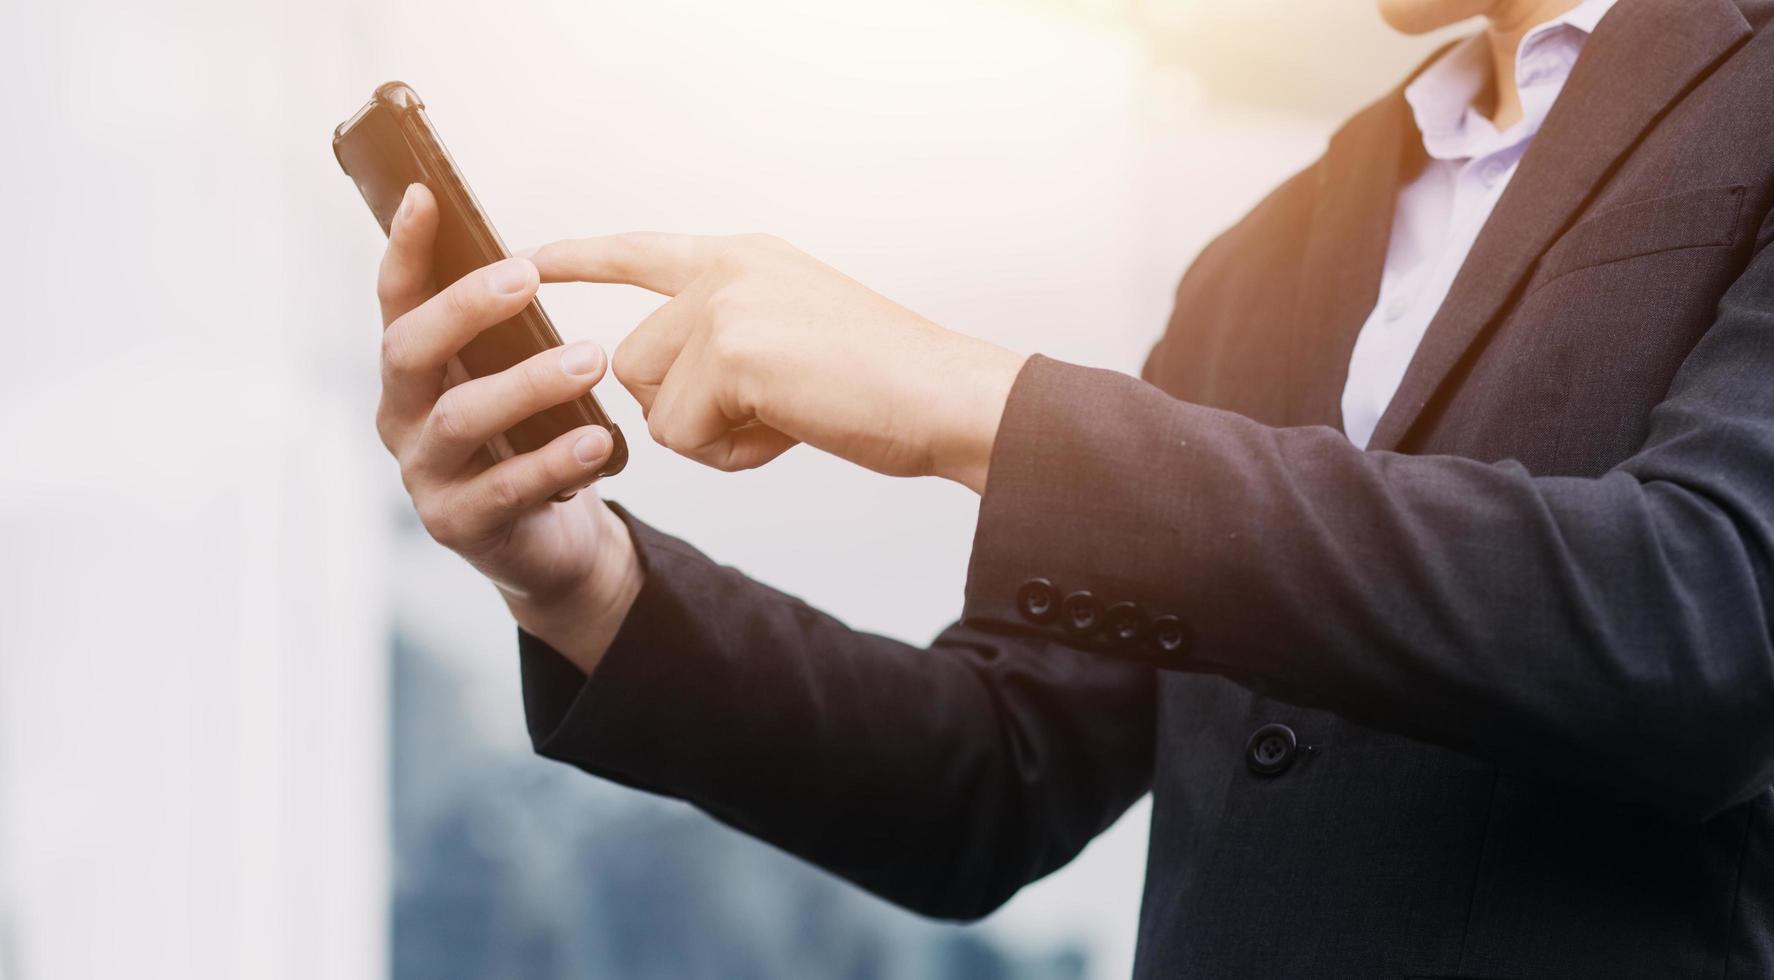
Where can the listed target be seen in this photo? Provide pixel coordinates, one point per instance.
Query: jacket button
(1172, 635)
(1081, 612)
(1125, 623)
(1271, 750)
(1038, 600)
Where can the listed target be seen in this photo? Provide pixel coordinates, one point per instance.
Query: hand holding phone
(568, 569)
(389, 145)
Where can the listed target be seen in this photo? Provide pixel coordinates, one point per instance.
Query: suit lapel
(1639, 62)
(1345, 252)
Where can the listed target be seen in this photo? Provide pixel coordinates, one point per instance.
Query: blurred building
(511, 866)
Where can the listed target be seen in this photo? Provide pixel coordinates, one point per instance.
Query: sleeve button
(1171, 635)
(1081, 612)
(1125, 623)
(1038, 600)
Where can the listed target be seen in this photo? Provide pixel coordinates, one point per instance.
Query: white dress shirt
(1440, 211)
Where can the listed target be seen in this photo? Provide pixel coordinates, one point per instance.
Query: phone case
(390, 144)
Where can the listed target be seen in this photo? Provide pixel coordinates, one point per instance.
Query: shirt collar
(1442, 96)
(1585, 16)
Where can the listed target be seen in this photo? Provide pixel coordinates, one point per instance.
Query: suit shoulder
(1276, 225)
(1275, 229)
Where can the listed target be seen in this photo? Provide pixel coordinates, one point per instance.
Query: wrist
(582, 621)
(975, 410)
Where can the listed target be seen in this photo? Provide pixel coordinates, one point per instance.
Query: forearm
(1606, 632)
(903, 769)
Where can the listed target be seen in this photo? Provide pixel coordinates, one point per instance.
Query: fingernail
(581, 359)
(512, 275)
(592, 447)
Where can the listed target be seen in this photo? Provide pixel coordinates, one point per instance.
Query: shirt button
(1080, 612)
(1124, 623)
(1271, 750)
(1038, 600)
(1491, 170)
(1396, 309)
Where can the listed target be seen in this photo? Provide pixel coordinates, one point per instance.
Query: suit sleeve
(942, 778)
(1608, 633)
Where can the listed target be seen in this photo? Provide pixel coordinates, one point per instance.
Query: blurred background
(253, 723)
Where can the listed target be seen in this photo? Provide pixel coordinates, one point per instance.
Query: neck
(1509, 22)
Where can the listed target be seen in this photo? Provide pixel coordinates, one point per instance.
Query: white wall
(192, 613)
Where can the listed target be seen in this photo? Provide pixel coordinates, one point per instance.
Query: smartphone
(390, 144)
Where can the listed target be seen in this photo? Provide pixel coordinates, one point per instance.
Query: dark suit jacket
(1492, 700)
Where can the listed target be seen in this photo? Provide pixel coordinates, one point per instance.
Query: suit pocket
(1699, 218)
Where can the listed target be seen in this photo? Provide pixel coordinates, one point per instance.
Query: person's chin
(1423, 16)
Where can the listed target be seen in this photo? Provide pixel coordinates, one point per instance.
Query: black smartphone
(390, 144)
